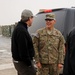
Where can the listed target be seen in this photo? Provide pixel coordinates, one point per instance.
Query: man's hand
(60, 66)
(38, 64)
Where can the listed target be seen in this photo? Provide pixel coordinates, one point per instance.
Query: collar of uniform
(53, 32)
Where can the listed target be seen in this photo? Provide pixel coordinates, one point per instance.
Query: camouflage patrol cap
(50, 16)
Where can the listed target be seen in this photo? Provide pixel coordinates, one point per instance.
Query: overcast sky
(10, 10)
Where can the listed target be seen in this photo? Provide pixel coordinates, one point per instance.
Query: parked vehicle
(65, 21)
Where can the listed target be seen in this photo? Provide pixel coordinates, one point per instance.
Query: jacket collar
(23, 24)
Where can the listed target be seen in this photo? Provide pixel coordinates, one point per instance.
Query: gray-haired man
(22, 46)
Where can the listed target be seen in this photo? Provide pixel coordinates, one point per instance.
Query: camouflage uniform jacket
(49, 48)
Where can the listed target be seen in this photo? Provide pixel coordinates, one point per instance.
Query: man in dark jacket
(69, 63)
(22, 46)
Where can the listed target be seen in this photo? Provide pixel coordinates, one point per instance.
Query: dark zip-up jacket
(21, 44)
(69, 63)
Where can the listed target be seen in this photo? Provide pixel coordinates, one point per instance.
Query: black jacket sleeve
(69, 63)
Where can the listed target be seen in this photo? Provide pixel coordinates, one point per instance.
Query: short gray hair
(26, 14)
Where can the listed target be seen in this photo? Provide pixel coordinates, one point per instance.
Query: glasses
(49, 19)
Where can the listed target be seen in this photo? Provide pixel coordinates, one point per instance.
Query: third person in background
(69, 63)
(49, 45)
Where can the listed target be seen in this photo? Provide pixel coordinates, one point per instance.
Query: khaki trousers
(50, 69)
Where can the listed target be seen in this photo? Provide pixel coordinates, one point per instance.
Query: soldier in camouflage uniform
(49, 48)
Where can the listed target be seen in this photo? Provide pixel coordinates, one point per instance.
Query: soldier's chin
(48, 27)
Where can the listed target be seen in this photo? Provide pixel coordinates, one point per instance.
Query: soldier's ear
(54, 21)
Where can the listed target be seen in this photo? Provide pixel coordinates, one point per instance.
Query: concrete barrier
(7, 30)
(0, 30)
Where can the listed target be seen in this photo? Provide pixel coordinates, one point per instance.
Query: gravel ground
(6, 65)
(5, 50)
